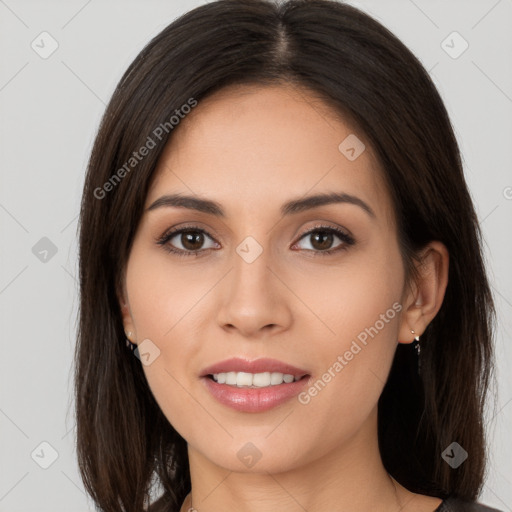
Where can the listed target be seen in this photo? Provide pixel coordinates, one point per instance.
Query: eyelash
(167, 236)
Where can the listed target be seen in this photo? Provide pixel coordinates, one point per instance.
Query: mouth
(254, 386)
(254, 380)
(257, 373)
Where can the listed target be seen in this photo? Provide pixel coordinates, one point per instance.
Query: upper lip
(238, 364)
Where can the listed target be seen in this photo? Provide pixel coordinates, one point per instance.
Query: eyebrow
(288, 208)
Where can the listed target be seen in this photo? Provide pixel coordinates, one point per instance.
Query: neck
(351, 478)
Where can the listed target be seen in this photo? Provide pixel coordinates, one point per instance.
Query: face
(316, 286)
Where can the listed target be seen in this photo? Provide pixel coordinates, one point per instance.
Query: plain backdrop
(50, 109)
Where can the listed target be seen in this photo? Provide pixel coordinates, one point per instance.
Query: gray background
(50, 110)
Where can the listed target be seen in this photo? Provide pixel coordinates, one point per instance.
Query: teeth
(255, 380)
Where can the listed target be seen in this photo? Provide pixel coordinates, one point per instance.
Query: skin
(251, 149)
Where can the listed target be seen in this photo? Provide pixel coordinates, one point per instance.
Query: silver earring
(129, 344)
(418, 350)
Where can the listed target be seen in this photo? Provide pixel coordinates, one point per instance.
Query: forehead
(251, 146)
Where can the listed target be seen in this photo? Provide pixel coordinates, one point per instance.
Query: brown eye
(192, 240)
(187, 241)
(321, 240)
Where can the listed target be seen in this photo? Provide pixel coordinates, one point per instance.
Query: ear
(124, 306)
(425, 296)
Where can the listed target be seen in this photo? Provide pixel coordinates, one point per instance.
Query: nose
(253, 299)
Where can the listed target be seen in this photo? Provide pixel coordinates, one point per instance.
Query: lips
(254, 400)
(238, 364)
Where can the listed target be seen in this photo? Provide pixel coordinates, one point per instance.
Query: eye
(189, 241)
(322, 237)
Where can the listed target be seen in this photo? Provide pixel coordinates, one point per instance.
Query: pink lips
(245, 399)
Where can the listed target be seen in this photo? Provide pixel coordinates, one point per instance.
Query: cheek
(350, 298)
(161, 292)
(164, 301)
(361, 308)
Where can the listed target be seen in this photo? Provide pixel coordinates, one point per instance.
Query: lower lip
(254, 399)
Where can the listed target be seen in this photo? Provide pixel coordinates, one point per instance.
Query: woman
(275, 221)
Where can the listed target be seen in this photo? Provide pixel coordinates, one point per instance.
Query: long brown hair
(125, 445)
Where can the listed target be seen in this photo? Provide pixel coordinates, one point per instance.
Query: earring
(418, 350)
(129, 344)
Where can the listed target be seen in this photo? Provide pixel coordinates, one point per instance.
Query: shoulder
(459, 505)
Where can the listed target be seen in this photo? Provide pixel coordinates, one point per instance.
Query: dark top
(448, 505)
(457, 505)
